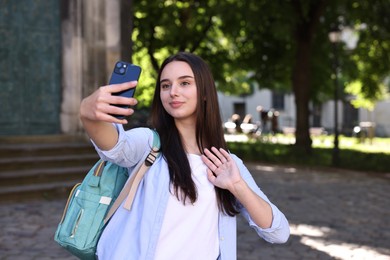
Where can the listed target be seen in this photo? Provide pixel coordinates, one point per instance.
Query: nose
(174, 90)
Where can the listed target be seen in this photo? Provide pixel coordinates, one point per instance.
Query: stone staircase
(43, 166)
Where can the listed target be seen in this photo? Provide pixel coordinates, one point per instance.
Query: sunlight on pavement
(315, 237)
(275, 168)
(236, 138)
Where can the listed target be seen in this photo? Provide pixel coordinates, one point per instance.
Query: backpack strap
(131, 186)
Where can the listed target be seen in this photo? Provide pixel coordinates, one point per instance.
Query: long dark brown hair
(209, 132)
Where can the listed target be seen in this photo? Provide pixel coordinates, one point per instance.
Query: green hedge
(321, 157)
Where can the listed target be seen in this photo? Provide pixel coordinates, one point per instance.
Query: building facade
(53, 53)
(321, 116)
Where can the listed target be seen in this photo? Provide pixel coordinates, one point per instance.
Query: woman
(186, 205)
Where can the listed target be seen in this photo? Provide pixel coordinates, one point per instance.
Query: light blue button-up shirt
(134, 234)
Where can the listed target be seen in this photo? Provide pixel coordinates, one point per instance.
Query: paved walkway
(333, 215)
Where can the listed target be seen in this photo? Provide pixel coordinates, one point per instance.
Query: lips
(176, 104)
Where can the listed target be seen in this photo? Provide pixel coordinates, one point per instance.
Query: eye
(165, 86)
(185, 83)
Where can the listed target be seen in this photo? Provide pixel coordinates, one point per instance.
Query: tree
(165, 27)
(369, 76)
(282, 45)
(126, 29)
(286, 44)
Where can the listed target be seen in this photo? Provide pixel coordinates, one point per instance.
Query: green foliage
(165, 27)
(370, 162)
(321, 157)
(262, 34)
(255, 39)
(277, 153)
(270, 43)
(365, 69)
(147, 80)
(355, 88)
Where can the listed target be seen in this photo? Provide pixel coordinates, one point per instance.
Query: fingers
(218, 157)
(210, 176)
(107, 94)
(117, 104)
(119, 100)
(114, 105)
(114, 88)
(110, 118)
(120, 111)
(215, 159)
(102, 105)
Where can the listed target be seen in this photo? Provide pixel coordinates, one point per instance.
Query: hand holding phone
(124, 72)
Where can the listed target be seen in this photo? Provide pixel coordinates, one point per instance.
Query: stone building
(53, 53)
(320, 117)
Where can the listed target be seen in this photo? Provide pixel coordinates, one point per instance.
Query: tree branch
(151, 49)
(203, 34)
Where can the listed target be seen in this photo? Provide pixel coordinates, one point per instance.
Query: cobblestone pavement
(332, 214)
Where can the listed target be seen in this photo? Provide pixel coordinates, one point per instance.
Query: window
(278, 100)
(240, 109)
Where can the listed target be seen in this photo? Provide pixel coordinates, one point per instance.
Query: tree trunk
(301, 73)
(126, 18)
(301, 87)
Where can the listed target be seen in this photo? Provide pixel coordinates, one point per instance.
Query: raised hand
(99, 105)
(222, 170)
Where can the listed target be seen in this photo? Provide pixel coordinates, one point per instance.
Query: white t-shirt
(190, 231)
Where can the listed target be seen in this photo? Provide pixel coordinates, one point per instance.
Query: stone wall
(90, 46)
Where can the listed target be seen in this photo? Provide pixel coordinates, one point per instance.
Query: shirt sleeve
(279, 231)
(130, 147)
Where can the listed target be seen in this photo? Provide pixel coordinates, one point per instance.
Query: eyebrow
(181, 77)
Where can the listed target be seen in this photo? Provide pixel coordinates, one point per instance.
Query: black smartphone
(124, 72)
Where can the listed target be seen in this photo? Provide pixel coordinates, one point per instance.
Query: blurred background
(292, 59)
(306, 79)
(302, 84)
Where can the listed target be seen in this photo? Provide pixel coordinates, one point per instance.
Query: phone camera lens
(122, 70)
(119, 65)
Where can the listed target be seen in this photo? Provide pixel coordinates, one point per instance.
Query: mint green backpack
(92, 203)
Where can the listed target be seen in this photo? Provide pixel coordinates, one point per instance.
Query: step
(42, 191)
(43, 166)
(37, 162)
(45, 175)
(42, 149)
(42, 139)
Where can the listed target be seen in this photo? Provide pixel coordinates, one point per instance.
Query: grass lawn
(369, 155)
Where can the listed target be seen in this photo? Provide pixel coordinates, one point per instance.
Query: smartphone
(124, 72)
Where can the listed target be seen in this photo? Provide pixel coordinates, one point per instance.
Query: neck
(188, 136)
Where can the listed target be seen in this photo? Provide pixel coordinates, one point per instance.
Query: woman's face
(178, 91)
